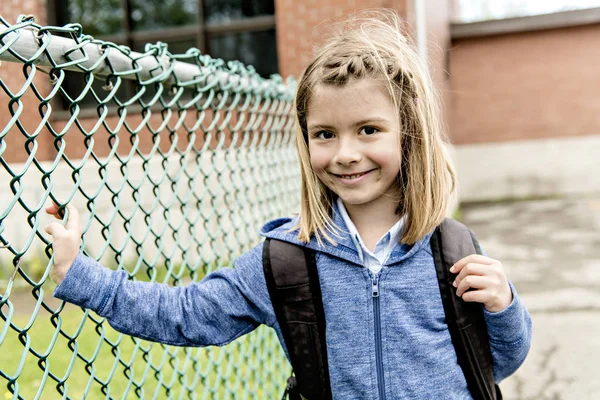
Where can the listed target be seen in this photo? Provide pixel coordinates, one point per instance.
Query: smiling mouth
(353, 176)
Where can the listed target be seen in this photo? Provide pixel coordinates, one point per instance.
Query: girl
(375, 183)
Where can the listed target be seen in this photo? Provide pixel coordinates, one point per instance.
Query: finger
(52, 209)
(56, 211)
(471, 269)
(473, 258)
(472, 282)
(55, 229)
(73, 218)
(476, 296)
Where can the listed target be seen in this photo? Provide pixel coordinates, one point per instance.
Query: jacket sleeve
(225, 305)
(510, 336)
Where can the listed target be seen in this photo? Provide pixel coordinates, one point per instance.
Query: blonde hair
(374, 46)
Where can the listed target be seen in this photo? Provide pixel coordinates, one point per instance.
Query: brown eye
(324, 135)
(368, 130)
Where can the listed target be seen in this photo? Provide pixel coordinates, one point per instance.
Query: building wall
(516, 98)
(302, 26)
(11, 9)
(523, 86)
(523, 114)
(298, 30)
(437, 29)
(14, 77)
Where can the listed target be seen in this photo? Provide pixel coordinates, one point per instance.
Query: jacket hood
(283, 229)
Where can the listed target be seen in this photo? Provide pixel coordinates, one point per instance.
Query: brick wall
(297, 35)
(37, 138)
(511, 87)
(503, 88)
(10, 9)
(14, 77)
(300, 26)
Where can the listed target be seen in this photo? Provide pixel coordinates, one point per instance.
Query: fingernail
(454, 283)
(452, 269)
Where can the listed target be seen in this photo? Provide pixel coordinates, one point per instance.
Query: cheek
(389, 161)
(318, 158)
(387, 154)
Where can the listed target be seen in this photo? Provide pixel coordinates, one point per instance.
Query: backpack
(293, 283)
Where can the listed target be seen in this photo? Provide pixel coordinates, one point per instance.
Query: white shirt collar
(390, 238)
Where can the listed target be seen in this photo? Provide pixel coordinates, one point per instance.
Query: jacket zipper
(378, 351)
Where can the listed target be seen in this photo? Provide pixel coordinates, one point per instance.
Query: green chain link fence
(174, 161)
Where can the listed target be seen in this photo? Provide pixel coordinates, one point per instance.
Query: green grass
(99, 357)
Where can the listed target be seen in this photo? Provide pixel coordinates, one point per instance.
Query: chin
(354, 201)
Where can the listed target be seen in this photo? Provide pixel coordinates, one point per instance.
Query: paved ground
(551, 252)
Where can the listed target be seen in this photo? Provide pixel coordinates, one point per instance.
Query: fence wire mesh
(174, 161)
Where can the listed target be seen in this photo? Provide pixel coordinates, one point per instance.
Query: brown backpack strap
(293, 283)
(450, 242)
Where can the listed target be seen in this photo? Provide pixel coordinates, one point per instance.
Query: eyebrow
(354, 125)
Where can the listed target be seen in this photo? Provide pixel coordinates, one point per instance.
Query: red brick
(532, 85)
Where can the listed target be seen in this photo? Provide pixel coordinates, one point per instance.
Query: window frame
(201, 32)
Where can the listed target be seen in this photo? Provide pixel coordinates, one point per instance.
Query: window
(241, 30)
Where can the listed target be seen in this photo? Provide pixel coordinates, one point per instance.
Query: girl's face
(353, 141)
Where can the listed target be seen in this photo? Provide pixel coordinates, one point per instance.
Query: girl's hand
(487, 277)
(66, 241)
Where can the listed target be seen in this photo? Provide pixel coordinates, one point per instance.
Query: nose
(348, 152)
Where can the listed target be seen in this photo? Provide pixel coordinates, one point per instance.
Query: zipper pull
(375, 286)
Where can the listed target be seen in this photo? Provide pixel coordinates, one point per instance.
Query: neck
(373, 220)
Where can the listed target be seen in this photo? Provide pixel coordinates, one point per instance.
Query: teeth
(352, 176)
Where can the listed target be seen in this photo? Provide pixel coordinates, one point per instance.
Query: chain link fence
(174, 161)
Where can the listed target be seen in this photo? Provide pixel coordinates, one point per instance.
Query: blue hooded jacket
(413, 359)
